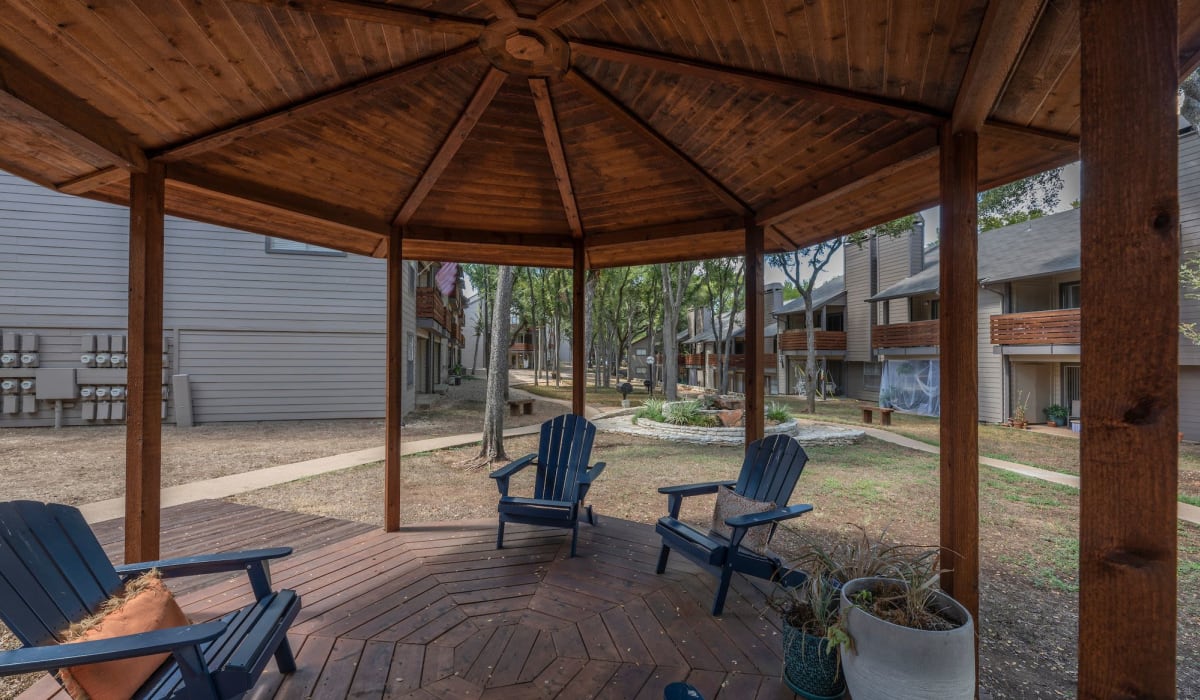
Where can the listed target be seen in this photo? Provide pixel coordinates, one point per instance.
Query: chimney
(916, 245)
(772, 300)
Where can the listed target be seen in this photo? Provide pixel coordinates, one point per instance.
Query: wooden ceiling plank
(558, 157)
(762, 82)
(635, 123)
(916, 146)
(1006, 29)
(661, 232)
(342, 218)
(93, 180)
(564, 11)
(318, 105)
(365, 11)
(32, 97)
(454, 140)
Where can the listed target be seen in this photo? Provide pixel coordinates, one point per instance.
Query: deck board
(436, 611)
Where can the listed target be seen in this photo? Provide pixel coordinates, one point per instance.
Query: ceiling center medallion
(524, 47)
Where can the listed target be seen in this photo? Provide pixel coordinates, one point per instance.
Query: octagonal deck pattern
(435, 611)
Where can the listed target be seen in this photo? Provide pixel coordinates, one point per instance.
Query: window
(871, 374)
(935, 309)
(640, 352)
(283, 245)
(410, 362)
(1068, 295)
(835, 321)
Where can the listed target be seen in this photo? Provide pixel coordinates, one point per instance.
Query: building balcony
(770, 359)
(918, 334)
(521, 347)
(1059, 327)
(825, 341)
(431, 306)
(691, 360)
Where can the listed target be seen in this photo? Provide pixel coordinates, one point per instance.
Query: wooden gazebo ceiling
(503, 132)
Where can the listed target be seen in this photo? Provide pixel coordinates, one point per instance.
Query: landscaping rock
(730, 419)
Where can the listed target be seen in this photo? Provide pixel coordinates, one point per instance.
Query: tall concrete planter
(890, 661)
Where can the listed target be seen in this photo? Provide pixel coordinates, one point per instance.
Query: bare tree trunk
(492, 447)
(579, 374)
(673, 287)
(810, 360)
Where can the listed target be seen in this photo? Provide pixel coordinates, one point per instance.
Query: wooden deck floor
(435, 611)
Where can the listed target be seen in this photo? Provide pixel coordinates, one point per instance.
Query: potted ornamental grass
(1056, 413)
(906, 638)
(808, 594)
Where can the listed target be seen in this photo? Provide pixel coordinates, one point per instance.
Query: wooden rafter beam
(356, 225)
(92, 181)
(320, 104)
(443, 234)
(920, 145)
(635, 123)
(763, 82)
(564, 11)
(502, 9)
(33, 98)
(365, 11)
(454, 140)
(558, 157)
(1002, 38)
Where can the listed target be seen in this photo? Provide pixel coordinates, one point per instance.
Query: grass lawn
(1029, 529)
(1053, 452)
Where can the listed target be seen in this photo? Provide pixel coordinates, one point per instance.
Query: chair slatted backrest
(771, 469)
(53, 571)
(563, 453)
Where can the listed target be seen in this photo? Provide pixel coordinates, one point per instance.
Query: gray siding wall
(1189, 226)
(992, 408)
(262, 335)
(858, 311)
(895, 257)
(1189, 402)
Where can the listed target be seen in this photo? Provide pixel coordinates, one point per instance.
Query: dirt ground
(85, 464)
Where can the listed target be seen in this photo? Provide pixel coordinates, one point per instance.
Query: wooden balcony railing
(917, 334)
(691, 360)
(739, 361)
(824, 340)
(1037, 328)
(429, 305)
(521, 347)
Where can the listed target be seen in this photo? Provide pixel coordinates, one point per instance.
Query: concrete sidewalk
(225, 486)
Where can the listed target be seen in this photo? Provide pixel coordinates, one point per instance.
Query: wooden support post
(395, 379)
(143, 424)
(957, 337)
(1129, 452)
(578, 342)
(755, 405)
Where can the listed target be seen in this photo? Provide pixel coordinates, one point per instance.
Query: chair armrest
(695, 489)
(676, 494)
(770, 516)
(590, 475)
(502, 474)
(204, 563)
(54, 656)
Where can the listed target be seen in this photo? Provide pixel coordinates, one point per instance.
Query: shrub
(652, 409)
(778, 412)
(684, 413)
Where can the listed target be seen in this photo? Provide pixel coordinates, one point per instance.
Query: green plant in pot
(808, 608)
(808, 595)
(1056, 413)
(906, 638)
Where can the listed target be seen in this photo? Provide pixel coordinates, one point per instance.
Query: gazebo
(600, 133)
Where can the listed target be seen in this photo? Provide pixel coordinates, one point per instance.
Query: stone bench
(518, 406)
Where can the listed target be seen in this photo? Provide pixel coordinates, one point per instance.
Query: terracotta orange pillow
(143, 605)
(730, 504)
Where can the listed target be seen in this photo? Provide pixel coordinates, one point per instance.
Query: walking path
(225, 486)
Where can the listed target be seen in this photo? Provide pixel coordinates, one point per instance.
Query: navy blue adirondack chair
(53, 572)
(769, 473)
(563, 479)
